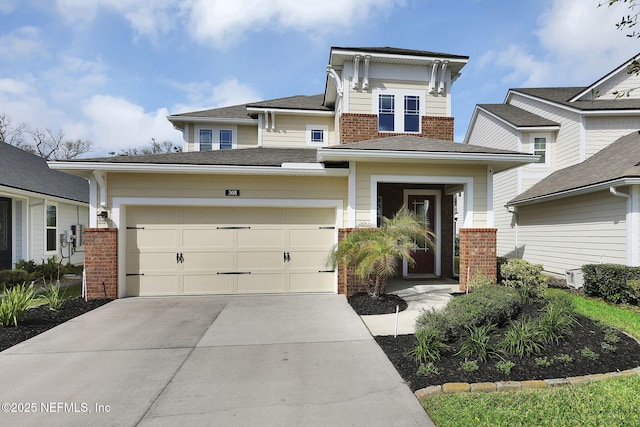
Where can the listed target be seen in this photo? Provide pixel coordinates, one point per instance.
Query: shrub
(13, 277)
(556, 319)
(587, 353)
(433, 319)
(469, 365)
(427, 369)
(542, 361)
(612, 282)
(478, 342)
(480, 280)
(525, 277)
(14, 303)
(488, 305)
(54, 296)
(564, 358)
(29, 266)
(50, 269)
(522, 338)
(431, 343)
(505, 366)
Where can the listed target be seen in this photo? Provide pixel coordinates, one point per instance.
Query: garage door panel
(260, 260)
(261, 238)
(151, 262)
(208, 284)
(311, 238)
(155, 284)
(310, 260)
(149, 239)
(311, 282)
(207, 238)
(260, 282)
(207, 261)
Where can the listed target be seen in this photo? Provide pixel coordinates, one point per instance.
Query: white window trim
(547, 159)
(215, 140)
(325, 135)
(57, 227)
(399, 95)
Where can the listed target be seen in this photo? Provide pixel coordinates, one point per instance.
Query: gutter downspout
(632, 224)
(514, 212)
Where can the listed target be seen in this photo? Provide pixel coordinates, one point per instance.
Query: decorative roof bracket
(365, 81)
(332, 73)
(356, 71)
(434, 76)
(443, 78)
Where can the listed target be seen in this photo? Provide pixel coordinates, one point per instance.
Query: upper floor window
(51, 227)
(216, 139)
(317, 135)
(398, 110)
(540, 147)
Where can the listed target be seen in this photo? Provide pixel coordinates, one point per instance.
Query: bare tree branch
(9, 133)
(154, 147)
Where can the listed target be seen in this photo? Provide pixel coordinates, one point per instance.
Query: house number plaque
(232, 193)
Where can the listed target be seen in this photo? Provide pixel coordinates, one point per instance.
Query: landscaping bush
(527, 278)
(479, 342)
(522, 338)
(54, 296)
(10, 278)
(487, 305)
(612, 282)
(14, 303)
(431, 342)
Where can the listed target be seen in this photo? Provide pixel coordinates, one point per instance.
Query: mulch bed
(363, 304)
(39, 319)
(586, 334)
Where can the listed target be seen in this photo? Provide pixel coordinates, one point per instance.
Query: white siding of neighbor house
(567, 140)
(68, 215)
(491, 132)
(291, 130)
(366, 170)
(623, 83)
(570, 232)
(504, 189)
(17, 229)
(37, 214)
(602, 131)
(213, 186)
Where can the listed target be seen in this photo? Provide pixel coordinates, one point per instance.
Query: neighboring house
(264, 190)
(579, 203)
(37, 206)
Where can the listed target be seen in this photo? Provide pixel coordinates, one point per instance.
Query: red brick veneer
(477, 254)
(363, 127)
(101, 262)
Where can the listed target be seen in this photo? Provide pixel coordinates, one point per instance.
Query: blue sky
(111, 70)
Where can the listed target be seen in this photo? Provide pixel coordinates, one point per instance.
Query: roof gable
(25, 171)
(619, 80)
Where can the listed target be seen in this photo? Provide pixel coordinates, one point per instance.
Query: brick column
(101, 262)
(477, 254)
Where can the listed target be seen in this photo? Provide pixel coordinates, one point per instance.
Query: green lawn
(612, 402)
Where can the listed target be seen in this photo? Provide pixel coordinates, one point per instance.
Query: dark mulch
(586, 334)
(363, 304)
(39, 319)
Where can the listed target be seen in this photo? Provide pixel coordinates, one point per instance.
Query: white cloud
(222, 23)
(20, 43)
(114, 123)
(13, 86)
(7, 6)
(203, 95)
(578, 43)
(74, 79)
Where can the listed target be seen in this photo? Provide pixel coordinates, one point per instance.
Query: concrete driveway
(291, 360)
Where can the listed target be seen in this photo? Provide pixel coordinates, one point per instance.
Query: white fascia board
(578, 191)
(222, 120)
(611, 112)
(472, 123)
(10, 192)
(605, 112)
(396, 56)
(384, 155)
(291, 111)
(600, 81)
(542, 100)
(297, 169)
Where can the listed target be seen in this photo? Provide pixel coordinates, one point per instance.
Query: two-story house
(263, 191)
(578, 203)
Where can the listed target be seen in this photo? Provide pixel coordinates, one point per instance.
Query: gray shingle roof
(618, 160)
(398, 51)
(517, 116)
(417, 143)
(240, 157)
(232, 112)
(562, 95)
(298, 102)
(25, 171)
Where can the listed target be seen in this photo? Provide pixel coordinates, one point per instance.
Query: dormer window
(221, 138)
(398, 110)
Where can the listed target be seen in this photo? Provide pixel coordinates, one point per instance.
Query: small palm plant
(375, 253)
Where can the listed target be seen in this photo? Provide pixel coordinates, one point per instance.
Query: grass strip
(603, 403)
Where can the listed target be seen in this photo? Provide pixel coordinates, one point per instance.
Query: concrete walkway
(419, 296)
(293, 360)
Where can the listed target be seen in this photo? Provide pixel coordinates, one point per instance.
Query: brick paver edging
(449, 388)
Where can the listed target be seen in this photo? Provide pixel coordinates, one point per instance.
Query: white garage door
(219, 250)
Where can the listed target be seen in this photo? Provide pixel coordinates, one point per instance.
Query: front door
(5, 233)
(424, 206)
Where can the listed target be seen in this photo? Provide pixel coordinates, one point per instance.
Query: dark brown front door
(424, 206)
(5, 233)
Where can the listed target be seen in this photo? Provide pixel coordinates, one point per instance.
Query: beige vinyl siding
(366, 170)
(567, 140)
(504, 189)
(247, 136)
(567, 233)
(213, 186)
(490, 132)
(602, 131)
(361, 101)
(620, 83)
(291, 130)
